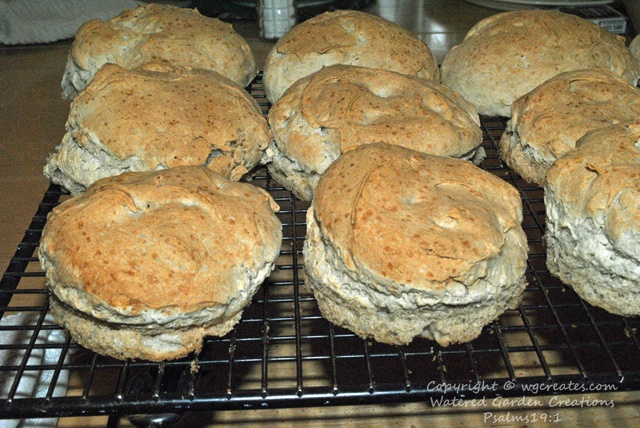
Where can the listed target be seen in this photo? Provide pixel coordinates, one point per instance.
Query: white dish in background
(536, 4)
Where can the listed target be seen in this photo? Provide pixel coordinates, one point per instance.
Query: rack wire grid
(283, 353)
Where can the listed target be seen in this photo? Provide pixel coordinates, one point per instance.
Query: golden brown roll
(508, 54)
(345, 37)
(546, 122)
(144, 265)
(401, 244)
(155, 117)
(157, 32)
(592, 200)
(341, 107)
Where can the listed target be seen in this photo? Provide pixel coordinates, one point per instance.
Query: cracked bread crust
(159, 254)
(341, 107)
(402, 244)
(345, 37)
(157, 32)
(155, 117)
(592, 205)
(546, 122)
(508, 54)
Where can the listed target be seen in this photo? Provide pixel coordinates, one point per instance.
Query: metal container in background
(247, 9)
(275, 17)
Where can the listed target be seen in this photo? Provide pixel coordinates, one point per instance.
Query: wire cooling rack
(283, 353)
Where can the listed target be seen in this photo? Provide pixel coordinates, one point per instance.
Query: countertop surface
(33, 115)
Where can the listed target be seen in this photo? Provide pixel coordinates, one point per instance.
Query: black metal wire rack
(283, 353)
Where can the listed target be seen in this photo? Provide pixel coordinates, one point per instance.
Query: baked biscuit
(592, 200)
(345, 37)
(144, 265)
(157, 32)
(341, 107)
(155, 117)
(402, 244)
(546, 122)
(508, 54)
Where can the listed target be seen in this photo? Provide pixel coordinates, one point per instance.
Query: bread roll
(154, 117)
(157, 32)
(592, 199)
(402, 244)
(634, 48)
(345, 37)
(508, 54)
(144, 265)
(546, 122)
(340, 107)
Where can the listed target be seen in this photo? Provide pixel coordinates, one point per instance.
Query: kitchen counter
(33, 116)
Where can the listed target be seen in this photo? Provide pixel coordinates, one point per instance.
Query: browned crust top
(178, 238)
(157, 32)
(413, 218)
(552, 117)
(508, 54)
(601, 178)
(347, 106)
(169, 116)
